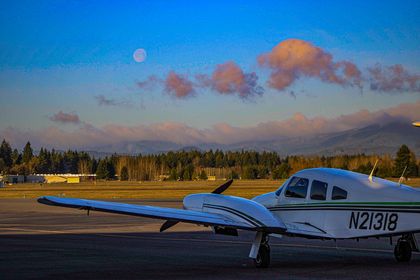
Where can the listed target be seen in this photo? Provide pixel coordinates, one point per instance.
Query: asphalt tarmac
(43, 242)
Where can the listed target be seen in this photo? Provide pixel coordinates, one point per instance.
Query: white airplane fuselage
(371, 208)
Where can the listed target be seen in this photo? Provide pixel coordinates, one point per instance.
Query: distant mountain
(373, 139)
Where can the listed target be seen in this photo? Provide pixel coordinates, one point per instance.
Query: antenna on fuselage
(402, 176)
(373, 170)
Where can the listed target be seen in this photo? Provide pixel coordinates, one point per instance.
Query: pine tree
(402, 161)
(16, 157)
(173, 176)
(102, 170)
(203, 175)
(282, 171)
(6, 154)
(250, 173)
(124, 174)
(27, 153)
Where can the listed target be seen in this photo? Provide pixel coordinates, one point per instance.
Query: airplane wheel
(402, 251)
(263, 257)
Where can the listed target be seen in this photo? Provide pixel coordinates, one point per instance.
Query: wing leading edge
(173, 214)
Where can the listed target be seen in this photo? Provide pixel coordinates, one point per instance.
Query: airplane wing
(172, 214)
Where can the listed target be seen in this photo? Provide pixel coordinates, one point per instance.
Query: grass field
(144, 190)
(137, 190)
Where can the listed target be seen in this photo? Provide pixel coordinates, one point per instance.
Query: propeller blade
(223, 187)
(168, 224)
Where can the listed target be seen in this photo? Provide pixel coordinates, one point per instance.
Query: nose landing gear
(260, 251)
(263, 258)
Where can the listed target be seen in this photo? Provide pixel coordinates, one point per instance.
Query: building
(73, 180)
(65, 178)
(14, 179)
(211, 178)
(35, 178)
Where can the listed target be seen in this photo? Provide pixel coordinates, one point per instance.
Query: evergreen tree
(250, 173)
(282, 171)
(3, 167)
(124, 174)
(173, 175)
(203, 175)
(16, 157)
(44, 162)
(27, 153)
(6, 154)
(405, 158)
(102, 171)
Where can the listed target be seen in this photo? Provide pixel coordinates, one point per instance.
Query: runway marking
(207, 240)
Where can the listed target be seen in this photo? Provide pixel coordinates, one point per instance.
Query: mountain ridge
(371, 139)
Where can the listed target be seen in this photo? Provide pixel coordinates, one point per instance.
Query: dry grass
(144, 190)
(137, 190)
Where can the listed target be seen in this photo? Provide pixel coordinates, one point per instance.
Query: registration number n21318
(373, 221)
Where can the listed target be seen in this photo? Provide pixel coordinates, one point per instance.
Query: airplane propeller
(223, 187)
(168, 224)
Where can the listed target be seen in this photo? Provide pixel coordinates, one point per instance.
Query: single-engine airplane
(321, 203)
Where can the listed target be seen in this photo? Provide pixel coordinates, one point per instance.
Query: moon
(139, 55)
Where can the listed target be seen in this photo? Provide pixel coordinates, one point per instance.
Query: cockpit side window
(298, 187)
(319, 190)
(338, 193)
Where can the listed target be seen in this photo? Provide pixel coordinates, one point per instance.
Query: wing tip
(45, 200)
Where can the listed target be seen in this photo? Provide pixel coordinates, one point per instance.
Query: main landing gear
(405, 245)
(260, 251)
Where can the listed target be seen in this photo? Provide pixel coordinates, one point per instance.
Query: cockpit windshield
(298, 187)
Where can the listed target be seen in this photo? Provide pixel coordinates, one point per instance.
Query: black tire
(263, 257)
(402, 251)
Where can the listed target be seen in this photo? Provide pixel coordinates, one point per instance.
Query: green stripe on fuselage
(351, 204)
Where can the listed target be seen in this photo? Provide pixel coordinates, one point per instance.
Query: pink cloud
(62, 117)
(288, 61)
(228, 78)
(294, 58)
(178, 85)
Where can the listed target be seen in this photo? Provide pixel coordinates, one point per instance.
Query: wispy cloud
(62, 117)
(104, 101)
(149, 82)
(393, 78)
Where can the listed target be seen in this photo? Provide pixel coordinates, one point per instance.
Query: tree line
(192, 165)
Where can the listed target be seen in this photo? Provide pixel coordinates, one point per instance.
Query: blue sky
(58, 55)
